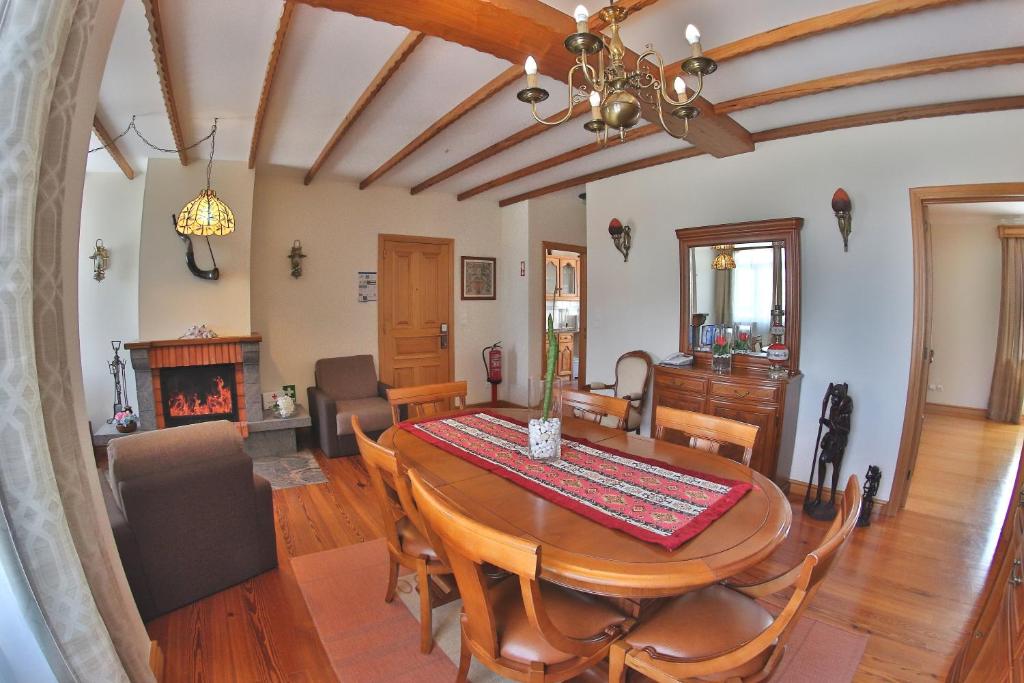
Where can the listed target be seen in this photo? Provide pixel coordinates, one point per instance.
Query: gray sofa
(347, 386)
(189, 516)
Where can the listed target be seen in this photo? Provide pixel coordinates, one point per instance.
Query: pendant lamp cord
(132, 128)
(209, 165)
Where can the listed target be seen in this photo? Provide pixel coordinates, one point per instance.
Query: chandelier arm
(568, 109)
(665, 126)
(595, 79)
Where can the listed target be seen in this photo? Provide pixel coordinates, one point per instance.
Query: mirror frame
(785, 230)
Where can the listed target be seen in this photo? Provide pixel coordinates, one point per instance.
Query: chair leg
(392, 580)
(426, 625)
(536, 673)
(617, 663)
(465, 657)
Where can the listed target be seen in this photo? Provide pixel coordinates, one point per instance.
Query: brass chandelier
(617, 94)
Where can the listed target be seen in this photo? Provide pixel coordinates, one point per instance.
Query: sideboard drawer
(744, 392)
(691, 385)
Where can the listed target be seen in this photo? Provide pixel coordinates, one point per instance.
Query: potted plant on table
(546, 431)
(126, 421)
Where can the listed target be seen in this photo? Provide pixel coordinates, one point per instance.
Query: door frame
(582, 251)
(920, 198)
(414, 239)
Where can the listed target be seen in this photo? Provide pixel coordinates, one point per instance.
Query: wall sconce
(842, 206)
(296, 256)
(622, 236)
(100, 261)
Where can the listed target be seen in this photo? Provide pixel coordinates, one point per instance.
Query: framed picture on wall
(479, 277)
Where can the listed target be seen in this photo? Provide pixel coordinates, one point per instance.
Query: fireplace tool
(836, 409)
(117, 370)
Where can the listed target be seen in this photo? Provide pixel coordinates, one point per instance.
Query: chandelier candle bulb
(531, 72)
(679, 85)
(693, 38)
(581, 15)
(595, 105)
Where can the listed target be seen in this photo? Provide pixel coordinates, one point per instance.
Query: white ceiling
(217, 54)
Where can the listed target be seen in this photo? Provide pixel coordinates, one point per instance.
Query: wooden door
(415, 290)
(551, 277)
(568, 278)
(563, 367)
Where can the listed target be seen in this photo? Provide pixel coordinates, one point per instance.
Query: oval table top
(576, 551)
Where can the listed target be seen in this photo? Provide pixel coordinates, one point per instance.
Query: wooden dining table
(581, 553)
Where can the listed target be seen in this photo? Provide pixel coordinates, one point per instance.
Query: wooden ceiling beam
(389, 69)
(565, 157)
(115, 153)
(923, 67)
(512, 29)
(156, 38)
(823, 23)
(502, 81)
(268, 79)
(495, 85)
(809, 128)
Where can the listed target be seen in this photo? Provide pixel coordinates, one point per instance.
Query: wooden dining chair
(721, 633)
(408, 542)
(426, 399)
(599, 408)
(521, 628)
(706, 432)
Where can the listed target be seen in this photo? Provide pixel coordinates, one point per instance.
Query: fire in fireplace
(198, 393)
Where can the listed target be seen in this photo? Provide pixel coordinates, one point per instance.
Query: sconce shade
(841, 201)
(615, 227)
(206, 216)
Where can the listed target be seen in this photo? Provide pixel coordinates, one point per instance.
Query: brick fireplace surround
(149, 357)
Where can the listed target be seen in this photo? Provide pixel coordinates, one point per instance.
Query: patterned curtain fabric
(58, 548)
(1007, 397)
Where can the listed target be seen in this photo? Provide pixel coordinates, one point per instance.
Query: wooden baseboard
(798, 489)
(955, 411)
(156, 661)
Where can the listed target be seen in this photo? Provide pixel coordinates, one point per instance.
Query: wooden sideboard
(746, 394)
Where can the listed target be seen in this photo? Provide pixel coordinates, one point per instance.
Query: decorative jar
(778, 354)
(721, 350)
(545, 433)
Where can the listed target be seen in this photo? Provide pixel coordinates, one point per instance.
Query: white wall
(109, 309)
(857, 306)
(317, 315)
(514, 290)
(171, 299)
(966, 284)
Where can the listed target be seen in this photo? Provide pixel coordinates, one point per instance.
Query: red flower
(720, 341)
(744, 336)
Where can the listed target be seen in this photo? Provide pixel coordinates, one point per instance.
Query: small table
(574, 549)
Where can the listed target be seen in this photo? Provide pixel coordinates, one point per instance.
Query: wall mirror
(735, 276)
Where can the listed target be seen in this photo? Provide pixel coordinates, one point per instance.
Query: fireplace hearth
(198, 393)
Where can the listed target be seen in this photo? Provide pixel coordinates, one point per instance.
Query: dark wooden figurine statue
(836, 409)
(871, 481)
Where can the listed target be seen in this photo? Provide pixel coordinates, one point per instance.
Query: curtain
(55, 540)
(723, 297)
(1007, 397)
(753, 288)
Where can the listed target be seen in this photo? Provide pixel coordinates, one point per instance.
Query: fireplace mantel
(252, 338)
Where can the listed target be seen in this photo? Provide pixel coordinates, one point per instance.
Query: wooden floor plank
(910, 583)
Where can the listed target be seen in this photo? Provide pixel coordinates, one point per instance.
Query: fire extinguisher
(492, 364)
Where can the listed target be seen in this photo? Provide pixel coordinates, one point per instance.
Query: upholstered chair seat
(413, 541)
(374, 414)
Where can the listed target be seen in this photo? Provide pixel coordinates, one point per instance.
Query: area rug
(370, 641)
(648, 499)
(366, 639)
(286, 471)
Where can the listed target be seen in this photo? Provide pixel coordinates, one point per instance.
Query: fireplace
(198, 393)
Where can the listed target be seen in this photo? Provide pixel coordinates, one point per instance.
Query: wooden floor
(909, 583)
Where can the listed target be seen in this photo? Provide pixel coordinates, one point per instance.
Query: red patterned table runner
(648, 499)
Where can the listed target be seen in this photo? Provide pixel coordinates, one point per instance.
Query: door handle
(1015, 577)
(444, 335)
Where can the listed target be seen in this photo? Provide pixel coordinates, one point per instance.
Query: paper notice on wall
(367, 287)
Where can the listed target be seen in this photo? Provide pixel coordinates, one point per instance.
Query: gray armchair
(189, 516)
(632, 375)
(347, 386)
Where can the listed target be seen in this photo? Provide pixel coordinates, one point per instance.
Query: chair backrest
(633, 374)
(706, 432)
(468, 545)
(595, 407)
(390, 485)
(427, 399)
(346, 377)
